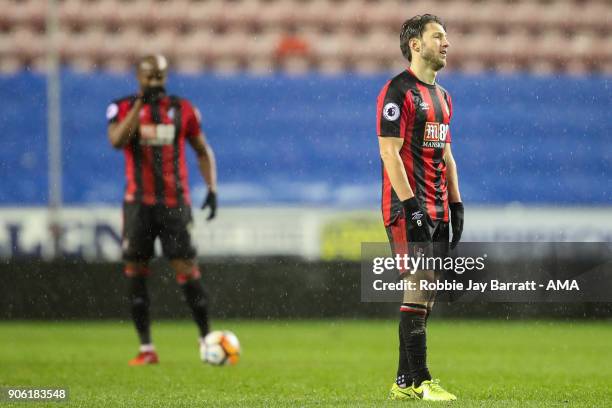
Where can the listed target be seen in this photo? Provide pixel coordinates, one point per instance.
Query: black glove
(153, 94)
(456, 210)
(211, 201)
(417, 221)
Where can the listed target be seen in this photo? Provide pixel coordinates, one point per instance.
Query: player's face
(434, 46)
(151, 77)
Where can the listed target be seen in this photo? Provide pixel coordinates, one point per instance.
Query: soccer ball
(220, 348)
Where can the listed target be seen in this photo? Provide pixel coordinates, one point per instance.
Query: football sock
(412, 322)
(146, 348)
(197, 302)
(139, 300)
(403, 379)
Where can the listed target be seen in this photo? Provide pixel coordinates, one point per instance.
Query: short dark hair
(414, 28)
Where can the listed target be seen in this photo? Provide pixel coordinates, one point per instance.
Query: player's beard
(433, 59)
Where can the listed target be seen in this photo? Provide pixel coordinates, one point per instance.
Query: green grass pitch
(313, 363)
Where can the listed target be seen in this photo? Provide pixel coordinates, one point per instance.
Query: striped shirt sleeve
(192, 120)
(390, 111)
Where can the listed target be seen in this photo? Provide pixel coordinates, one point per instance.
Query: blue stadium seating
(311, 139)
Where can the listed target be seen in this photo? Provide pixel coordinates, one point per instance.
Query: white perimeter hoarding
(309, 233)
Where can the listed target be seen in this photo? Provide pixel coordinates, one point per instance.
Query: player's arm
(391, 113)
(121, 133)
(206, 160)
(389, 153)
(454, 197)
(451, 175)
(208, 170)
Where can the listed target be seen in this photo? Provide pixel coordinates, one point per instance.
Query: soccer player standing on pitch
(152, 128)
(420, 192)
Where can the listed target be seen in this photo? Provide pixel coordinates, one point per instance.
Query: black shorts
(398, 233)
(142, 224)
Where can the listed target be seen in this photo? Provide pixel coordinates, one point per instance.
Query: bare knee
(185, 270)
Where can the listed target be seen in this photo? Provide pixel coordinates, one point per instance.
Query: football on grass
(220, 348)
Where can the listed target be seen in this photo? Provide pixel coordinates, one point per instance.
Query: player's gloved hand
(417, 221)
(456, 211)
(152, 94)
(211, 201)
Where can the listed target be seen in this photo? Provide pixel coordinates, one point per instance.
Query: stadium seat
(90, 43)
(27, 43)
(595, 15)
(343, 34)
(72, 13)
(10, 64)
(242, 13)
(30, 12)
(206, 14)
(523, 15)
(338, 46)
(193, 46)
(278, 12)
(376, 45)
(102, 12)
(315, 13)
(171, 14)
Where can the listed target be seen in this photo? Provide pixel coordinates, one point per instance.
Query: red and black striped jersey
(155, 163)
(420, 114)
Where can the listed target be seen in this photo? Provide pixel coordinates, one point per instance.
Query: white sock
(145, 348)
(201, 340)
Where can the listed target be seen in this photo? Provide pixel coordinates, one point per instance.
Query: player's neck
(423, 72)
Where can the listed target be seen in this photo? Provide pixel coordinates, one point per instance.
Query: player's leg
(413, 317)
(189, 279)
(137, 274)
(175, 235)
(441, 240)
(137, 244)
(412, 367)
(396, 233)
(410, 310)
(424, 386)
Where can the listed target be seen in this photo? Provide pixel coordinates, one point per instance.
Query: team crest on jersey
(171, 113)
(435, 135)
(424, 105)
(391, 111)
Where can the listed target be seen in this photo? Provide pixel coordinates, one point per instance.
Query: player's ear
(415, 44)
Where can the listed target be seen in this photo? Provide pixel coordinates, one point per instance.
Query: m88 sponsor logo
(435, 135)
